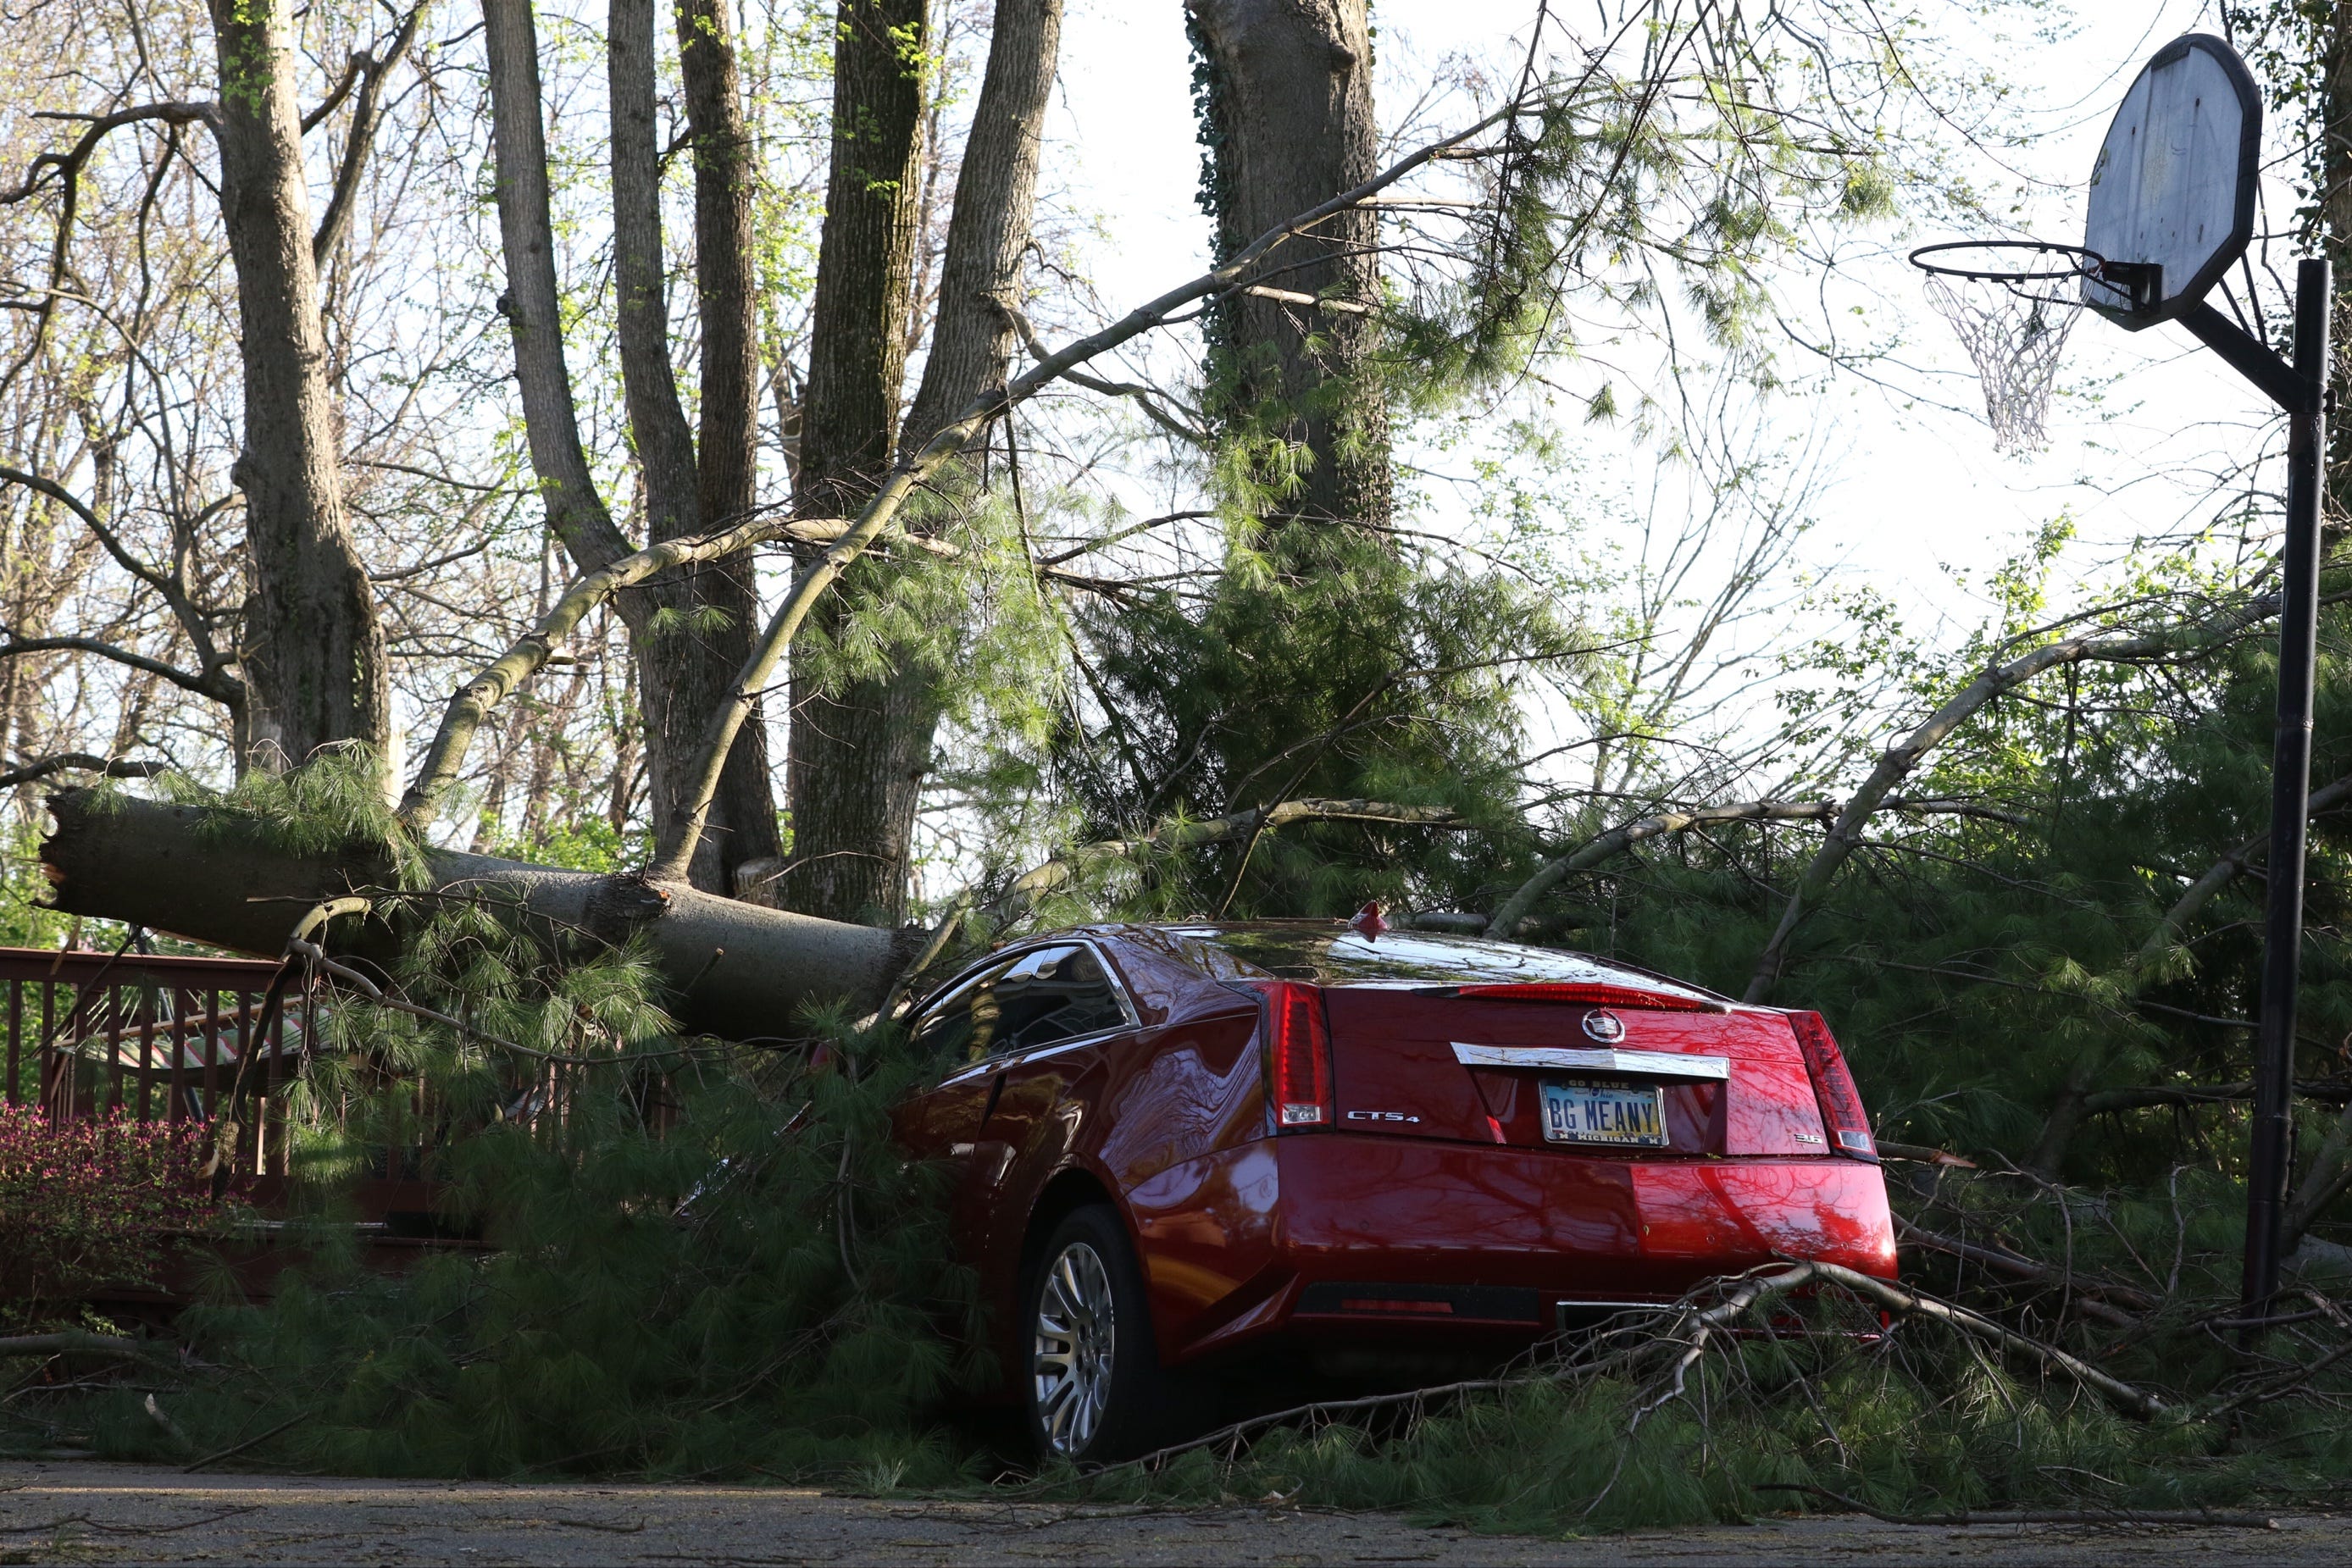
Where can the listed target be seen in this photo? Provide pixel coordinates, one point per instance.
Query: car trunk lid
(1609, 1070)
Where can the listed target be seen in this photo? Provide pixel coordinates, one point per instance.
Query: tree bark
(734, 969)
(850, 789)
(683, 667)
(711, 648)
(1286, 105)
(658, 427)
(871, 750)
(857, 351)
(995, 200)
(531, 303)
(314, 653)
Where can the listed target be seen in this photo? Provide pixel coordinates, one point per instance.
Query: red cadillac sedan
(1308, 1143)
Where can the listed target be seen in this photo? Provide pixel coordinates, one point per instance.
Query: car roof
(1338, 953)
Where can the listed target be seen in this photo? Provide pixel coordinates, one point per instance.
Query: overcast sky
(1917, 488)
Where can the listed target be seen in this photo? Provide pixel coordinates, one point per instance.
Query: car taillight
(1833, 1087)
(1592, 995)
(1297, 1055)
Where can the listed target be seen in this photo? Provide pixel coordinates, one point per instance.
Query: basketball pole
(2302, 391)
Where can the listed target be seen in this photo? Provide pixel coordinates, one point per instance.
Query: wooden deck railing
(157, 1038)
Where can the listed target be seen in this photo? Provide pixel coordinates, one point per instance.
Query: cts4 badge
(1391, 1116)
(1604, 1025)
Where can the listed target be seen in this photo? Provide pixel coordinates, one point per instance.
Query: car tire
(1091, 1385)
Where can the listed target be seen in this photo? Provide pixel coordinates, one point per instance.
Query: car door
(1011, 1039)
(943, 1123)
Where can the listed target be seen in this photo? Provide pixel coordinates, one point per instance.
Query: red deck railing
(157, 1038)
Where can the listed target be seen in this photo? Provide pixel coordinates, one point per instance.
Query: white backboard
(2174, 183)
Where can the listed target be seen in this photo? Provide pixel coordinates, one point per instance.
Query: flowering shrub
(93, 1202)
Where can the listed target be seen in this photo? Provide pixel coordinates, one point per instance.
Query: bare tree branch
(78, 761)
(354, 66)
(472, 703)
(183, 609)
(361, 140)
(64, 170)
(203, 685)
(1147, 398)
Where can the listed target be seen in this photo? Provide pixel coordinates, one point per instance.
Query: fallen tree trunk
(735, 969)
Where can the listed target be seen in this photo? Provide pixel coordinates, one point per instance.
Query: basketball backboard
(2171, 204)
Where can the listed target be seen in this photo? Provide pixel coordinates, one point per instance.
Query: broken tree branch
(472, 703)
(1618, 840)
(220, 877)
(1309, 301)
(2137, 1403)
(1896, 764)
(2090, 1296)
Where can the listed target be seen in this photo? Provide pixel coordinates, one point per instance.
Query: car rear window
(1337, 954)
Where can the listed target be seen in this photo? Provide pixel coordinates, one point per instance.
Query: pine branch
(1896, 763)
(1619, 840)
(1025, 890)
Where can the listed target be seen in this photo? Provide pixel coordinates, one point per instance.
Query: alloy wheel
(1076, 1344)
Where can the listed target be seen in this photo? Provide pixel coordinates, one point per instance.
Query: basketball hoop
(2169, 208)
(2016, 336)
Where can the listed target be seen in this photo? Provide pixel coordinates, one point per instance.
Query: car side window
(1040, 997)
(946, 1030)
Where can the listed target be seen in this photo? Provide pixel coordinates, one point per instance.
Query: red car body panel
(1438, 1212)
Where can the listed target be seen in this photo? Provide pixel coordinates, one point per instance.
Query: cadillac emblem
(1604, 1025)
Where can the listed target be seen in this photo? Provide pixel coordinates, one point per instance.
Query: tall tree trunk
(840, 782)
(712, 648)
(658, 427)
(1287, 114)
(995, 196)
(532, 305)
(683, 665)
(314, 650)
(871, 749)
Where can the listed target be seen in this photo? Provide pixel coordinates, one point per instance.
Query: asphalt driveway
(74, 1511)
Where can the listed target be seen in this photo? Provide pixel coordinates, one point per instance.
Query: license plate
(1620, 1113)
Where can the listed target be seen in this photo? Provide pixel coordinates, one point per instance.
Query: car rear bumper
(1388, 1234)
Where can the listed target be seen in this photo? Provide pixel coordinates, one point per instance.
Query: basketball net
(2016, 341)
